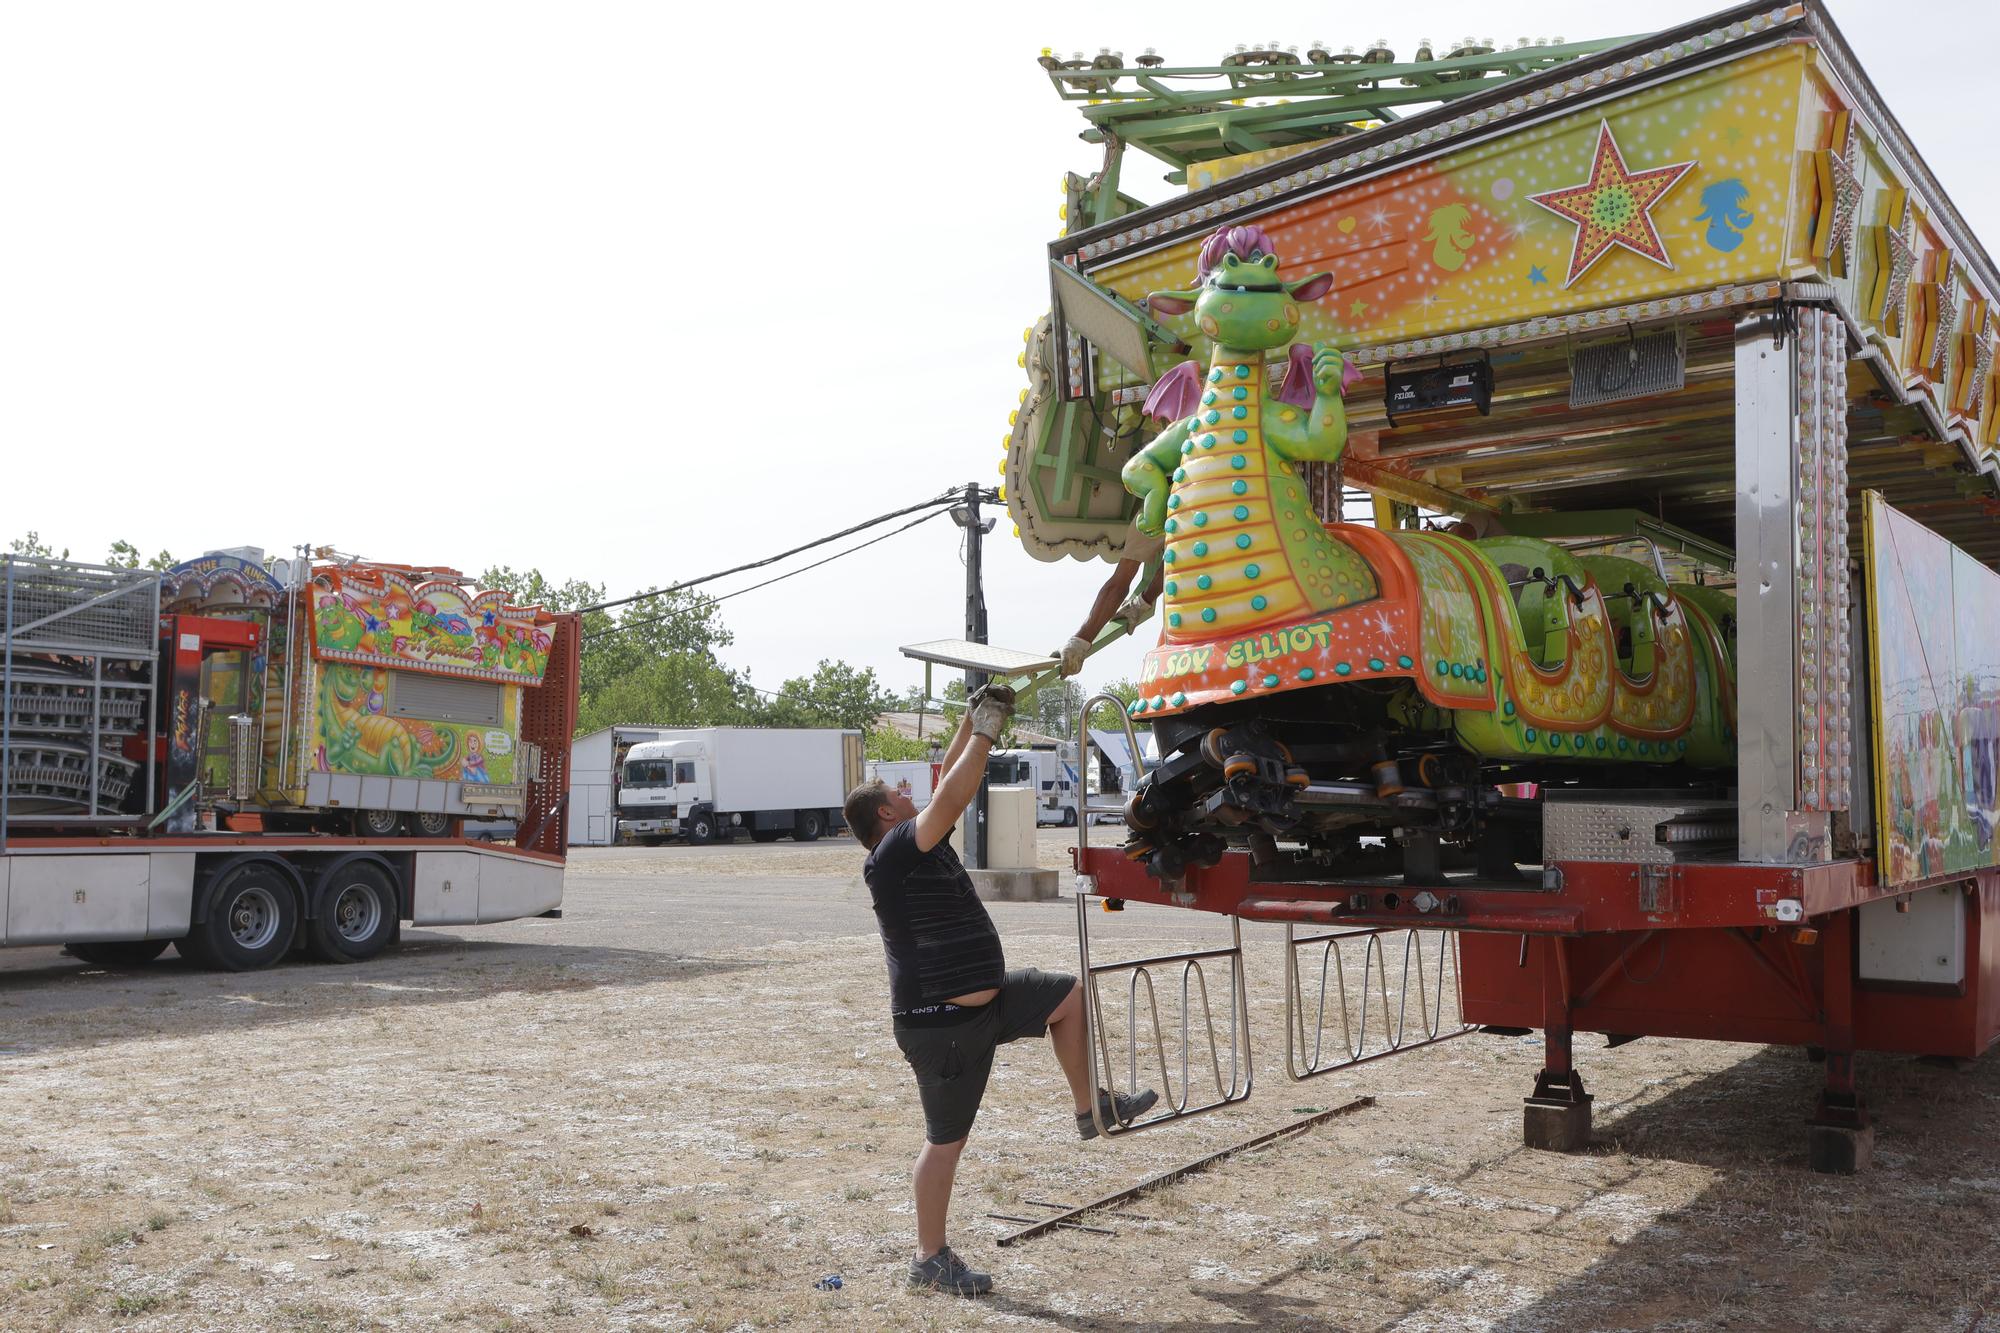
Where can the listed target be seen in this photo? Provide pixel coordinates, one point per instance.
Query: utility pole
(966, 515)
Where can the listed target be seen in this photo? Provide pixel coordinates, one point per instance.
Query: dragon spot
(1241, 512)
(1208, 615)
(1242, 541)
(1239, 486)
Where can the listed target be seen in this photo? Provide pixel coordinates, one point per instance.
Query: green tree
(124, 555)
(888, 743)
(33, 545)
(651, 662)
(835, 695)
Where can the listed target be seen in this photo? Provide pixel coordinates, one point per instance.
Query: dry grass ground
(592, 1124)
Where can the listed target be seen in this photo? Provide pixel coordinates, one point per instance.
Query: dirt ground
(681, 1105)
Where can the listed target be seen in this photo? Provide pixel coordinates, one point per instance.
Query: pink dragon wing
(1298, 386)
(1176, 394)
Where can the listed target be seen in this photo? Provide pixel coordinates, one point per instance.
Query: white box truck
(708, 784)
(914, 778)
(1051, 774)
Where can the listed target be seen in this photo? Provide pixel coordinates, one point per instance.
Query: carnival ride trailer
(1632, 739)
(141, 761)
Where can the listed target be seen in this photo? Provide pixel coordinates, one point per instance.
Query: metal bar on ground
(1185, 1169)
(1067, 1226)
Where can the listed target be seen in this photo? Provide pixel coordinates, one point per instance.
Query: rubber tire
(118, 953)
(323, 937)
(701, 829)
(211, 944)
(1069, 816)
(765, 835)
(808, 826)
(392, 828)
(432, 824)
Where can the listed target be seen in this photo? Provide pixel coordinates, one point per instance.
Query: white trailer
(596, 762)
(914, 778)
(1050, 774)
(707, 784)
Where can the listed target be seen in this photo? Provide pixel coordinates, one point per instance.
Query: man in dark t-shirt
(950, 993)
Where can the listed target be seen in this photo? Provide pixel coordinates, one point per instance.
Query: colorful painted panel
(354, 733)
(371, 615)
(1935, 650)
(1674, 189)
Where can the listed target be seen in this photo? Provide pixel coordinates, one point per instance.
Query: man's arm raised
(964, 764)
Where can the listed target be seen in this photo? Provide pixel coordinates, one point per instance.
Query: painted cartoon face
(1241, 302)
(475, 749)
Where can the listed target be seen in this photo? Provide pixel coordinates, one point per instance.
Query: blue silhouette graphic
(1723, 211)
(1535, 275)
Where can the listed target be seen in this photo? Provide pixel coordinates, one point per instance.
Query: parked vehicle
(238, 760)
(1050, 774)
(708, 784)
(914, 778)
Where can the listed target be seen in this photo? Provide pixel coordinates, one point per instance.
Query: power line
(949, 497)
(780, 578)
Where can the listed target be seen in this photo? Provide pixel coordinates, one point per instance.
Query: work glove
(1069, 657)
(1135, 611)
(992, 705)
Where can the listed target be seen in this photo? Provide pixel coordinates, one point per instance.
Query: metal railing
(1440, 1005)
(1196, 1011)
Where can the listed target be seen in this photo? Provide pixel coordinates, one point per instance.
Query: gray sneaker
(1122, 1109)
(945, 1271)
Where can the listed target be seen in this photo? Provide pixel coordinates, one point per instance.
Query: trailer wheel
(701, 829)
(354, 913)
(118, 953)
(251, 920)
(808, 826)
(433, 824)
(1069, 816)
(377, 824)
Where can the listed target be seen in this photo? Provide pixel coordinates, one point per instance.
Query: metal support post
(966, 515)
(1839, 1138)
(1794, 728)
(1557, 1116)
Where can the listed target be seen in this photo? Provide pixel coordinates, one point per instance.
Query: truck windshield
(647, 773)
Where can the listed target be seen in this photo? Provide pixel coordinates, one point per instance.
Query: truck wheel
(701, 829)
(118, 953)
(1069, 816)
(808, 826)
(433, 824)
(354, 914)
(251, 921)
(377, 824)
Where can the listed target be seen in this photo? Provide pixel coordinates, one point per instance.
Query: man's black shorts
(952, 1063)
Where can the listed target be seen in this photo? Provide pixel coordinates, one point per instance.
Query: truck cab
(659, 789)
(1050, 774)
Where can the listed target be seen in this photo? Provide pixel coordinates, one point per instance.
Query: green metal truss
(1270, 98)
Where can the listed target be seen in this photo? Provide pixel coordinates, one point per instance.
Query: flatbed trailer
(243, 901)
(1692, 300)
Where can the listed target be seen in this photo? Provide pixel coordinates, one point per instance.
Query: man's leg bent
(1066, 1035)
(937, 1168)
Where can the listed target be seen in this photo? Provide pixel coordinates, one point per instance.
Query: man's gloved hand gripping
(991, 706)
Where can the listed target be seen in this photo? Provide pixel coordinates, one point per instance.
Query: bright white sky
(629, 292)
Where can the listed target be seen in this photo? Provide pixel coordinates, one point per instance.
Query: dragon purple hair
(1238, 241)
